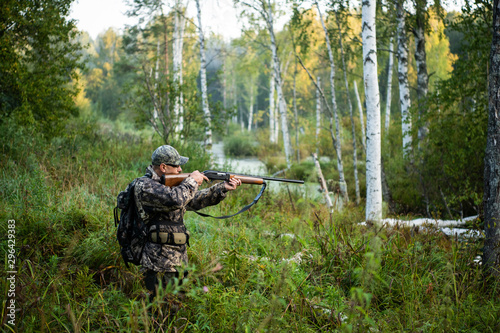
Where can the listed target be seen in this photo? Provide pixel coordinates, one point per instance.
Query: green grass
(351, 278)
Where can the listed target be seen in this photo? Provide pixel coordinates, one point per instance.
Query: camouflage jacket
(164, 207)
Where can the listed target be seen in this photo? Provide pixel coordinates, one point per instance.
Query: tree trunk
(491, 199)
(322, 182)
(235, 100)
(361, 118)
(421, 62)
(203, 75)
(250, 108)
(388, 99)
(372, 96)
(338, 146)
(404, 86)
(282, 107)
(320, 91)
(295, 112)
(157, 79)
(354, 148)
(318, 113)
(179, 26)
(271, 105)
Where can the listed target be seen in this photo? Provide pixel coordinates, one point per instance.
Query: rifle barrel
(272, 178)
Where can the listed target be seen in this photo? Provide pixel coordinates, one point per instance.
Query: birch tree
(419, 30)
(349, 103)
(388, 99)
(178, 43)
(361, 118)
(265, 10)
(150, 44)
(250, 105)
(248, 61)
(295, 112)
(203, 76)
(318, 112)
(338, 146)
(404, 86)
(491, 199)
(372, 97)
(272, 90)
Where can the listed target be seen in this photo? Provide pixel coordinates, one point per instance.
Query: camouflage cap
(168, 155)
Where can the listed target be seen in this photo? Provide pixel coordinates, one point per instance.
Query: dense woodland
(398, 116)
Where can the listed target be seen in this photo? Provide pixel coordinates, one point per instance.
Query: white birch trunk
(250, 108)
(157, 75)
(338, 146)
(242, 124)
(353, 128)
(322, 183)
(318, 113)
(372, 96)
(388, 98)
(282, 107)
(271, 105)
(179, 26)
(404, 86)
(295, 112)
(224, 85)
(361, 118)
(203, 75)
(235, 100)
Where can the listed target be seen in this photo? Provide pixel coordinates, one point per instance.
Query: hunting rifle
(176, 179)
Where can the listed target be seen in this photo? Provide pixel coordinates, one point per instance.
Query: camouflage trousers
(152, 281)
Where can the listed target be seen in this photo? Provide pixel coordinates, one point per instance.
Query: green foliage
(449, 163)
(39, 62)
(285, 265)
(240, 144)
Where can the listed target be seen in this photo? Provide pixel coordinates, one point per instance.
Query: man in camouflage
(162, 208)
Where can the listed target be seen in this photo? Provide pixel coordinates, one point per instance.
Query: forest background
(80, 118)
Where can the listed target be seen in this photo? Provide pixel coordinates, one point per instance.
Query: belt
(170, 238)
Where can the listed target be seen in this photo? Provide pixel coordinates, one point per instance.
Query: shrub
(239, 145)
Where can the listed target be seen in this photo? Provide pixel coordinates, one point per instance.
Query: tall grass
(284, 266)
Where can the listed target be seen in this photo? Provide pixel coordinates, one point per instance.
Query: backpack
(131, 229)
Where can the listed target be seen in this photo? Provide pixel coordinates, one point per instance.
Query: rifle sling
(244, 209)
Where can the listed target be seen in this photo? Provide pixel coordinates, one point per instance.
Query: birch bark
(250, 107)
(354, 148)
(361, 117)
(338, 146)
(404, 86)
(271, 105)
(282, 107)
(318, 112)
(388, 98)
(491, 199)
(421, 62)
(322, 182)
(203, 75)
(372, 96)
(295, 112)
(177, 47)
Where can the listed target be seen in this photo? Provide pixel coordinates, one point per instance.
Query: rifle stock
(174, 179)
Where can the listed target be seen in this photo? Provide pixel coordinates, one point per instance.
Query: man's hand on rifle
(198, 176)
(232, 184)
